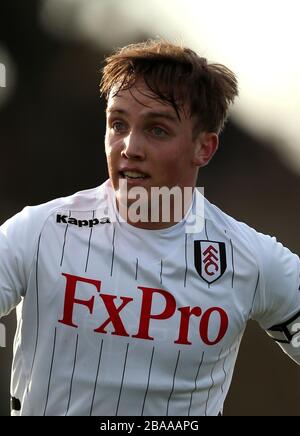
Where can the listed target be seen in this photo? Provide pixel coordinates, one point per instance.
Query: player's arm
(19, 238)
(277, 302)
(17, 241)
(287, 336)
(11, 285)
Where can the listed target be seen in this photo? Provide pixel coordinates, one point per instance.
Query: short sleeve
(277, 300)
(277, 297)
(17, 241)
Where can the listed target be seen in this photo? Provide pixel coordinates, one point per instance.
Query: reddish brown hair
(175, 75)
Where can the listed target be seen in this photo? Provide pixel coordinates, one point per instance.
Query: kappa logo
(64, 219)
(210, 259)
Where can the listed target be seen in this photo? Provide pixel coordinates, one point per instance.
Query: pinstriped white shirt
(115, 320)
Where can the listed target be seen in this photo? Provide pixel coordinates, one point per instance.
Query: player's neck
(156, 215)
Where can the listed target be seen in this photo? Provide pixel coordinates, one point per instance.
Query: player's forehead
(139, 100)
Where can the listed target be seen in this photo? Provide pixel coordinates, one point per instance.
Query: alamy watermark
(2, 76)
(2, 335)
(137, 204)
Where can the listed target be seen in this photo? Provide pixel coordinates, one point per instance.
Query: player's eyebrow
(151, 114)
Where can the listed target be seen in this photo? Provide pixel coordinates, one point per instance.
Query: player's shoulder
(237, 230)
(84, 200)
(34, 216)
(273, 260)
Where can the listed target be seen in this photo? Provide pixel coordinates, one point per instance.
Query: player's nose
(133, 147)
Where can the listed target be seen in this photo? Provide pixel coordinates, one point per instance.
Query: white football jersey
(117, 320)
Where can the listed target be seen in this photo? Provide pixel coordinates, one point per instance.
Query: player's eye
(159, 132)
(118, 126)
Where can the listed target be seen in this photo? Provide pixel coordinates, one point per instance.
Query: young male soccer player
(126, 310)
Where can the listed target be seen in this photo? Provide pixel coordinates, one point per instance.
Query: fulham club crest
(210, 259)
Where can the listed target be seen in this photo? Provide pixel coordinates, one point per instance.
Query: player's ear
(206, 146)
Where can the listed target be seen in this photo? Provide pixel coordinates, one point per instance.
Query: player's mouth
(131, 175)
